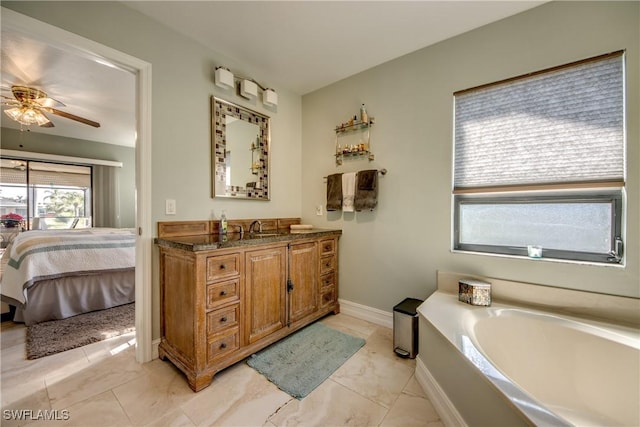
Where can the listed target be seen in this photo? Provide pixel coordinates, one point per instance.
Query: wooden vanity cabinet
(220, 306)
(303, 280)
(265, 295)
(328, 273)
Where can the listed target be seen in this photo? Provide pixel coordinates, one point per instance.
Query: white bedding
(49, 254)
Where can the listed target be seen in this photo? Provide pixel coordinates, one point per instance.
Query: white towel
(348, 191)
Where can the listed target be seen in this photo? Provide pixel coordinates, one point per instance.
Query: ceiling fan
(29, 105)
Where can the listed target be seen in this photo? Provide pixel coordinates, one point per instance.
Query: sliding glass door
(42, 195)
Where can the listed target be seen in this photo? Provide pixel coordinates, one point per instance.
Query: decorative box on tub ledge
(474, 292)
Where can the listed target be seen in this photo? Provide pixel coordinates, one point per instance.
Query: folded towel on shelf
(334, 192)
(301, 226)
(348, 191)
(366, 196)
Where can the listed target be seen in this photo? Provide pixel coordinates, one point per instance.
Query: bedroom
(405, 263)
(75, 175)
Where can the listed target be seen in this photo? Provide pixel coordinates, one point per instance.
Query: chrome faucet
(240, 228)
(253, 224)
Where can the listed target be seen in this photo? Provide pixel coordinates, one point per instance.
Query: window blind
(563, 126)
(10, 175)
(59, 179)
(81, 178)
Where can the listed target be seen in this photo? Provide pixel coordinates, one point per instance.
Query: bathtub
(550, 369)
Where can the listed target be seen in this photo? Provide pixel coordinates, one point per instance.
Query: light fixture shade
(248, 89)
(14, 113)
(224, 78)
(270, 97)
(27, 116)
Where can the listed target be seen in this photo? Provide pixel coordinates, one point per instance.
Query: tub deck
(556, 370)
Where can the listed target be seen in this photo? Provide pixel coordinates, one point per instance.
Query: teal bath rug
(302, 361)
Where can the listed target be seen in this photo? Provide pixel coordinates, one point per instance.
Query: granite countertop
(207, 242)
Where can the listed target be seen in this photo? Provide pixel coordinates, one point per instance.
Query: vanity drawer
(328, 279)
(221, 345)
(222, 293)
(327, 297)
(224, 318)
(327, 246)
(327, 264)
(222, 266)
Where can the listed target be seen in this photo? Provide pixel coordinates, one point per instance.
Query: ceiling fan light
(27, 116)
(14, 113)
(41, 119)
(23, 117)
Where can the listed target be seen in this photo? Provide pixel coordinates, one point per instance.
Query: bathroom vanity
(224, 297)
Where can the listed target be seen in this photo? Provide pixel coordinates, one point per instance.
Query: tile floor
(102, 385)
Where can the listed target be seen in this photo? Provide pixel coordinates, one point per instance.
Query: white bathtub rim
(455, 333)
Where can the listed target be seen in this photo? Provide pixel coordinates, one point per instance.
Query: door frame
(82, 46)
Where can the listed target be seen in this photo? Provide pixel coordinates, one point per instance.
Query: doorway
(81, 46)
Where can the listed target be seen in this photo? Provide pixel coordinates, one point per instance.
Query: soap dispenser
(223, 223)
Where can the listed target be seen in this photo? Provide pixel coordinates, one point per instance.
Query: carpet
(55, 336)
(302, 361)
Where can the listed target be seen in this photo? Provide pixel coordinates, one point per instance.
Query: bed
(55, 274)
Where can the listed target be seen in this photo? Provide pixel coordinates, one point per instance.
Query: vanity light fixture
(224, 78)
(269, 97)
(248, 88)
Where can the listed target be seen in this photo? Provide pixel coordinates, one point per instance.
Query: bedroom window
(46, 195)
(540, 161)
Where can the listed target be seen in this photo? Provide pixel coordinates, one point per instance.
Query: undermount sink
(263, 234)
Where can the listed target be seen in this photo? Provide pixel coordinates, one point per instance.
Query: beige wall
(182, 85)
(394, 252)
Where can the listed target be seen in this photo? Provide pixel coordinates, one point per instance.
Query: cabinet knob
(223, 266)
(223, 319)
(223, 293)
(223, 345)
(327, 248)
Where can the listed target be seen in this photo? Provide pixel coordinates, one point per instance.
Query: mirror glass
(240, 152)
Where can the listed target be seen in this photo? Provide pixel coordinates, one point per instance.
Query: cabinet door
(265, 281)
(303, 264)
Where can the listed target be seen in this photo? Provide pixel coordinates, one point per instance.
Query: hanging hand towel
(334, 192)
(366, 196)
(348, 191)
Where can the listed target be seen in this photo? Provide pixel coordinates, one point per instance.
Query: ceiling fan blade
(10, 101)
(48, 102)
(73, 117)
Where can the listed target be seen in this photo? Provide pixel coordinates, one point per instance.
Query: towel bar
(380, 171)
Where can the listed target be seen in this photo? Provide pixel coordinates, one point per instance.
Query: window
(539, 160)
(46, 195)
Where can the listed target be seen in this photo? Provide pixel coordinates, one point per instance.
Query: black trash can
(405, 328)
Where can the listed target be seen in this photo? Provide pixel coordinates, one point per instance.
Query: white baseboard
(370, 314)
(448, 413)
(154, 348)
